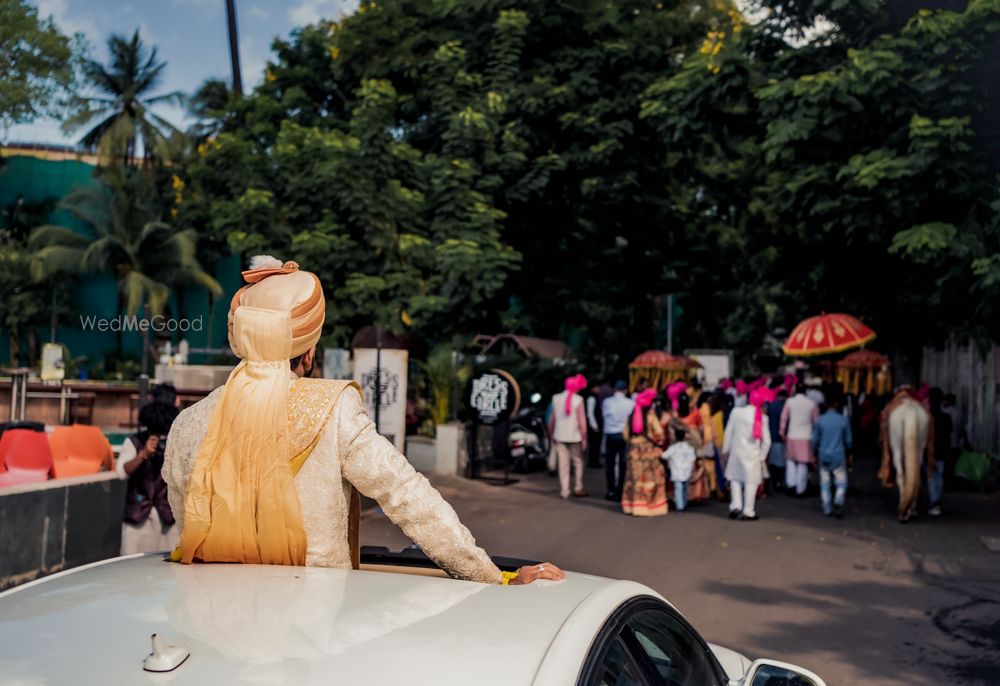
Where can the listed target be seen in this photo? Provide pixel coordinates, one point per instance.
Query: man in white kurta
(797, 419)
(745, 468)
(568, 428)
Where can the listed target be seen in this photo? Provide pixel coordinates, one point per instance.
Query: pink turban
(741, 387)
(674, 391)
(574, 384)
(758, 398)
(642, 401)
(726, 384)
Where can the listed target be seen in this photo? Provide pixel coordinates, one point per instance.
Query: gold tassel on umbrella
(875, 366)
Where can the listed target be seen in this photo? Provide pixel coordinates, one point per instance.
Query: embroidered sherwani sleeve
(173, 475)
(379, 471)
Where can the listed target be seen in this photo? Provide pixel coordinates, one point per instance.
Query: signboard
(493, 396)
(718, 365)
(384, 375)
(53, 367)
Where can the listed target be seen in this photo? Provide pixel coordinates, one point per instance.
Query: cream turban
(241, 504)
(282, 288)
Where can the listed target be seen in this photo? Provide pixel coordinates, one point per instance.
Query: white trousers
(744, 495)
(797, 476)
(567, 454)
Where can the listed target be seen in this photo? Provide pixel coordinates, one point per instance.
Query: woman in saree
(704, 480)
(673, 410)
(645, 493)
(689, 421)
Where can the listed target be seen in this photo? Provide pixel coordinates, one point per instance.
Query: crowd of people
(734, 443)
(681, 443)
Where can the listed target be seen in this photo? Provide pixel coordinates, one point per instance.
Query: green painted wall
(38, 179)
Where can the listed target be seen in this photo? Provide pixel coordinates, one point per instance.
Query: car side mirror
(774, 673)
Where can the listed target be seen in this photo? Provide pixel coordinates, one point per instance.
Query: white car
(394, 622)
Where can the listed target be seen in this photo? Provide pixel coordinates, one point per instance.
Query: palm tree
(146, 256)
(122, 103)
(212, 105)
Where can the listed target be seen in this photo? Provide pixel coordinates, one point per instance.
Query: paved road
(860, 601)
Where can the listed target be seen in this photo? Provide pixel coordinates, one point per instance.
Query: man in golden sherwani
(261, 470)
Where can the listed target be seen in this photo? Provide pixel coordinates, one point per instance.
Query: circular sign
(493, 396)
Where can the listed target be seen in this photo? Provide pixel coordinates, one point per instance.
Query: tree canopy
(558, 168)
(404, 150)
(850, 172)
(34, 61)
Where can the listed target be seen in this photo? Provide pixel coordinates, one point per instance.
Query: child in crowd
(680, 456)
(831, 441)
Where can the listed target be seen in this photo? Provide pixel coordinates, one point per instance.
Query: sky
(190, 36)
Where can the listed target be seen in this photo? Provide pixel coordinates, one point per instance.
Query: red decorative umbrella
(827, 334)
(659, 367)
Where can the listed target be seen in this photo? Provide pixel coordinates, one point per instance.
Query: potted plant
(444, 374)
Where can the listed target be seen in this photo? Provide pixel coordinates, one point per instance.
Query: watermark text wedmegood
(157, 323)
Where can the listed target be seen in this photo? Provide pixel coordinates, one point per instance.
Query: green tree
(120, 97)
(511, 122)
(29, 305)
(210, 105)
(571, 169)
(145, 255)
(22, 305)
(760, 172)
(400, 236)
(845, 172)
(444, 377)
(35, 59)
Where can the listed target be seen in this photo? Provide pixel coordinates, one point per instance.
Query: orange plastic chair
(80, 449)
(22, 450)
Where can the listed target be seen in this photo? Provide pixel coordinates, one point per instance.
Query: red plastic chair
(15, 476)
(79, 449)
(6, 441)
(25, 449)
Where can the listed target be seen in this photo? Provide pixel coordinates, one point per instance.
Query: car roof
(274, 624)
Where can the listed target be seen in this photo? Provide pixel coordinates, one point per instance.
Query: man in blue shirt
(616, 411)
(831, 442)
